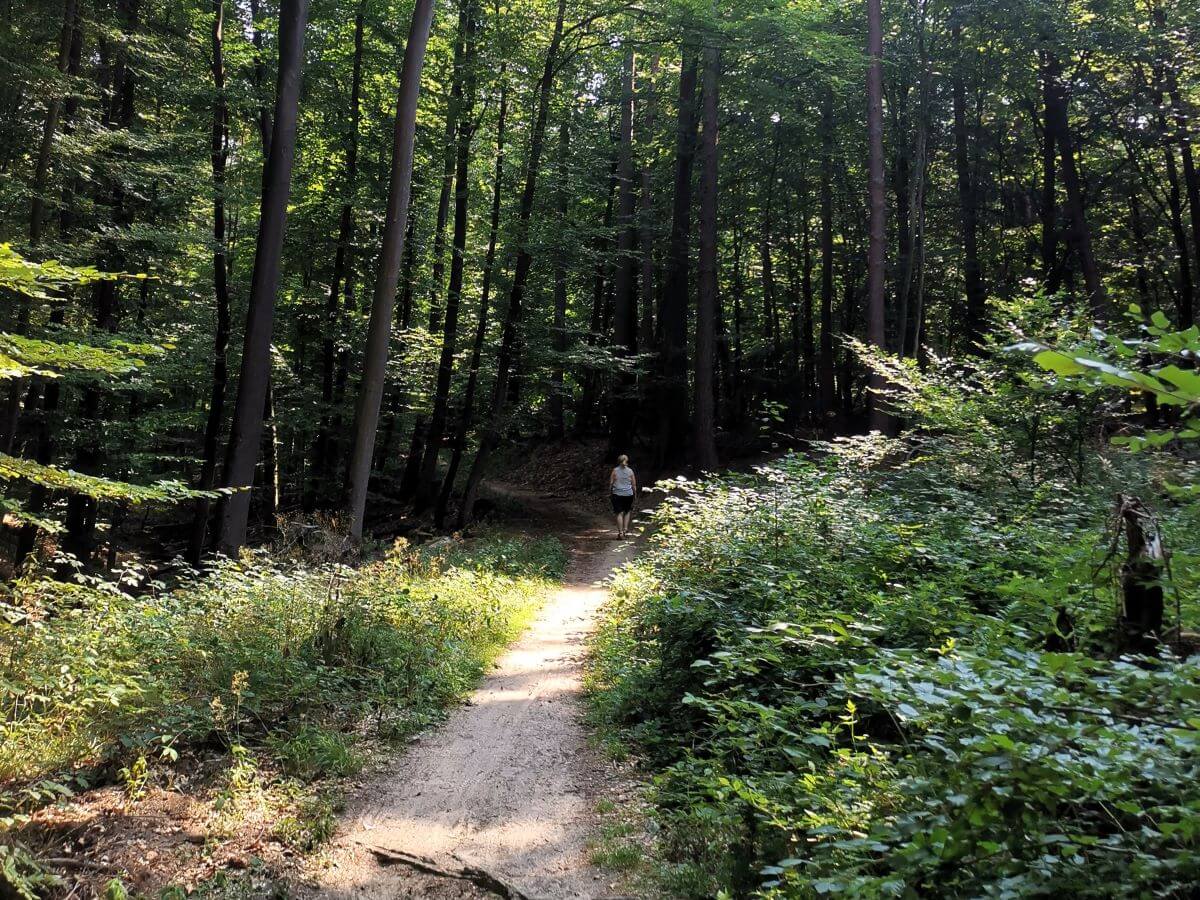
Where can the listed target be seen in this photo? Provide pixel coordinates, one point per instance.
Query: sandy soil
(498, 801)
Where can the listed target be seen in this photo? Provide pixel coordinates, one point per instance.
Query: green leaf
(13, 468)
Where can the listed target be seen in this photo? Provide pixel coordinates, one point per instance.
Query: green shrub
(835, 666)
(314, 752)
(255, 655)
(311, 825)
(22, 876)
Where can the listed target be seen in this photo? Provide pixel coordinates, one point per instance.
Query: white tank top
(623, 483)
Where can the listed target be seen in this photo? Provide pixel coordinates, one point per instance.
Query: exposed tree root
(481, 878)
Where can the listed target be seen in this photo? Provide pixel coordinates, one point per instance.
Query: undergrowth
(835, 667)
(283, 670)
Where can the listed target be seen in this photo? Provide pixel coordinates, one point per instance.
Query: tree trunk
(558, 337)
(410, 479)
(586, 410)
(366, 419)
(877, 227)
(770, 314)
(512, 319)
(807, 349)
(737, 400)
(793, 392)
(219, 146)
(437, 279)
(463, 99)
(850, 302)
(1081, 237)
(269, 485)
(906, 332)
(82, 511)
(70, 108)
(1182, 135)
(246, 431)
(467, 416)
(827, 365)
(37, 211)
(704, 422)
(902, 181)
(45, 445)
(723, 384)
(1049, 212)
(646, 230)
(1191, 180)
(323, 456)
(1186, 302)
(406, 271)
(976, 311)
(673, 316)
(622, 403)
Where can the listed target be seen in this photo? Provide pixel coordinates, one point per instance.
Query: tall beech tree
(1079, 235)
(516, 293)
(37, 212)
(967, 199)
(245, 433)
(704, 422)
(340, 293)
(220, 372)
(673, 313)
(366, 418)
(463, 99)
(558, 426)
(828, 263)
(876, 207)
(467, 416)
(119, 117)
(626, 299)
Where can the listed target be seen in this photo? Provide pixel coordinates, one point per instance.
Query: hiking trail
(499, 799)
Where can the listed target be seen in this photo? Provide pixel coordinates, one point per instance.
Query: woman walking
(623, 487)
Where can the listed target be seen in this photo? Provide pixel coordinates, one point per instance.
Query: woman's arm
(612, 479)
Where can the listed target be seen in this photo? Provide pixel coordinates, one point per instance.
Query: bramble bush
(836, 665)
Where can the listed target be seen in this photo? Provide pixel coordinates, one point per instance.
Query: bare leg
(620, 523)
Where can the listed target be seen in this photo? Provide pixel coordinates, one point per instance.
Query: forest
(315, 309)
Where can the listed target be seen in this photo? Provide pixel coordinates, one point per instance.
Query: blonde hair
(622, 460)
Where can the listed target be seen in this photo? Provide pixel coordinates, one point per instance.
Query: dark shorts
(622, 504)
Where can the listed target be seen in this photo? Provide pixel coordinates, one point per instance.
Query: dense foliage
(551, 278)
(838, 663)
(267, 263)
(262, 658)
(91, 672)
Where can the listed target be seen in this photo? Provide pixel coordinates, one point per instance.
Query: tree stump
(1141, 577)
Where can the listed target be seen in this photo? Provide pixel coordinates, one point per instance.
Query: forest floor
(501, 799)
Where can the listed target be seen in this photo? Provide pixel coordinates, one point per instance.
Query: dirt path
(499, 800)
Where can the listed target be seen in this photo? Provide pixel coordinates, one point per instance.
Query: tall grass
(255, 654)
